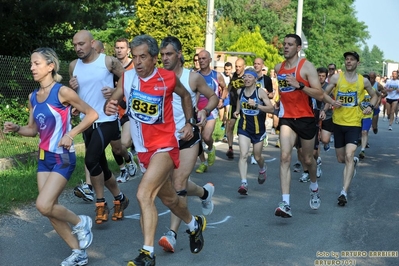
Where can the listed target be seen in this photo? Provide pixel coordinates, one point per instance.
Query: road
(243, 230)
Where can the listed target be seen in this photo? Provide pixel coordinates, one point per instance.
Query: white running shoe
(253, 161)
(77, 258)
(314, 199)
(83, 231)
(123, 177)
(132, 166)
(207, 204)
(304, 178)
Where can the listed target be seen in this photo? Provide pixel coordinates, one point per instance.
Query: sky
(381, 20)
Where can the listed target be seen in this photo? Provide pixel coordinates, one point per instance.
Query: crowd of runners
(161, 120)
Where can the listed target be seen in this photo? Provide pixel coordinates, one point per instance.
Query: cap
(354, 54)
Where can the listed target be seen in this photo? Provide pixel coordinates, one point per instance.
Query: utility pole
(210, 30)
(299, 26)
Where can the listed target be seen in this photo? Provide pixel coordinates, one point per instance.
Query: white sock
(150, 249)
(286, 198)
(244, 181)
(343, 192)
(314, 186)
(192, 225)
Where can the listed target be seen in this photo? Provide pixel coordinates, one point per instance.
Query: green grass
(18, 185)
(14, 146)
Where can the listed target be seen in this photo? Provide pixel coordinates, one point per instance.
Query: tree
(253, 42)
(29, 24)
(269, 15)
(180, 18)
(331, 28)
(371, 60)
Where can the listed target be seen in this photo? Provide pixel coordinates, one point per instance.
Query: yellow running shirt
(350, 95)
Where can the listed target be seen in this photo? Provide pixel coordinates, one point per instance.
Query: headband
(248, 72)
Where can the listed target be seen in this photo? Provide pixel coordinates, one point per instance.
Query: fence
(16, 83)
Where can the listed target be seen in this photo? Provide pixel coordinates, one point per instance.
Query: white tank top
(92, 77)
(178, 113)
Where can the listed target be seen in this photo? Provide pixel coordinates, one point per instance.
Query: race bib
(146, 108)
(248, 109)
(348, 99)
(283, 84)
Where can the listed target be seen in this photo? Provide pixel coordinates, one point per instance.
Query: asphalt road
(243, 230)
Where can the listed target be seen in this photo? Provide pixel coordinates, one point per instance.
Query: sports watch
(301, 86)
(192, 121)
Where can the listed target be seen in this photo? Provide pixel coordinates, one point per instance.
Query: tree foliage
(253, 42)
(269, 15)
(159, 19)
(29, 24)
(331, 28)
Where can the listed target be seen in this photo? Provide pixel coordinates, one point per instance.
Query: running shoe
(143, 259)
(230, 154)
(304, 178)
(224, 139)
(102, 212)
(83, 231)
(342, 200)
(212, 156)
(390, 128)
(375, 130)
(84, 192)
(326, 147)
(202, 168)
(314, 199)
(262, 177)
(123, 177)
(77, 258)
(266, 141)
(283, 210)
(297, 167)
(119, 207)
(356, 160)
(362, 155)
(131, 167)
(196, 238)
(319, 172)
(253, 161)
(243, 189)
(168, 241)
(207, 204)
(278, 143)
(368, 145)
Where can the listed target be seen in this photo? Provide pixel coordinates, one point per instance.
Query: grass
(18, 185)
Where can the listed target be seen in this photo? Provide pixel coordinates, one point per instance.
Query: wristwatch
(301, 86)
(192, 121)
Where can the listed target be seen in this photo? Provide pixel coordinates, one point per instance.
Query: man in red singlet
(298, 82)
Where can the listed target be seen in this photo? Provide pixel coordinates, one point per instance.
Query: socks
(100, 200)
(314, 186)
(286, 198)
(150, 249)
(205, 196)
(244, 181)
(193, 225)
(120, 197)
